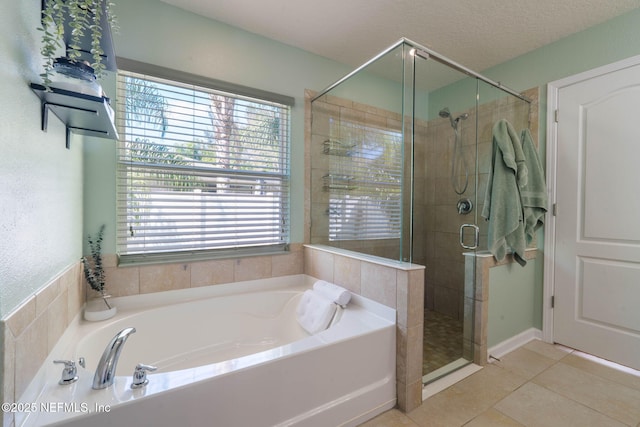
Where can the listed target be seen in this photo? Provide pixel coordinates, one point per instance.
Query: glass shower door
(445, 213)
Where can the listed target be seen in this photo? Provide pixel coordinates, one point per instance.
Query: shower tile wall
(328, 110)
(436, 230)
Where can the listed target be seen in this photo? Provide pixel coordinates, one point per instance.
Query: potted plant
(95, 275)
(79, 22)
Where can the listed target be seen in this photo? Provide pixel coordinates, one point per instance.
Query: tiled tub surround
(395, 284)
(250, 337)
(29, 332)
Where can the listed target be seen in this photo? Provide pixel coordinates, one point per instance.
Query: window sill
(130, 260)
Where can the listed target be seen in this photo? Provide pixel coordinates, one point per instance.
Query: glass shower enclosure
(400, 158)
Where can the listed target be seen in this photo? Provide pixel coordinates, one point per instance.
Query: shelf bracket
(46, 106)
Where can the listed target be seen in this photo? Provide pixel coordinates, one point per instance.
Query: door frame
(553, 92)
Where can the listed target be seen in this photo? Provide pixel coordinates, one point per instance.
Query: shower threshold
(442, 378)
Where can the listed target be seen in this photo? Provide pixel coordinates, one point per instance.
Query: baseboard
(514, 342)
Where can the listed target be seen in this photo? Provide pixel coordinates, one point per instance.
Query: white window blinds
(199, 170)
(364, 182)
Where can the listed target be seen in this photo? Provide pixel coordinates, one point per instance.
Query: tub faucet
(106, 370)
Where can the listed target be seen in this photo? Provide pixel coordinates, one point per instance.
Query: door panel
(597, 253)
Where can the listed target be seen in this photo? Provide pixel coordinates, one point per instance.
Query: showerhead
(444, 113)
(461, 117)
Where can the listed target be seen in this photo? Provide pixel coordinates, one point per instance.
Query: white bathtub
(227, 355)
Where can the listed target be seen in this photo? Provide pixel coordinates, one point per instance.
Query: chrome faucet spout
(106, 370)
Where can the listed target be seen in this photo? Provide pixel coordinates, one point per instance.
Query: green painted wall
(515, 295)
(41, 191)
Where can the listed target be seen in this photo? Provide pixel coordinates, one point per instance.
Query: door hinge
(554, 209)
(553, 301)
(555, 118)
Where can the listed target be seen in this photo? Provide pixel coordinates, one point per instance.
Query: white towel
(314, 312)
(335, 293)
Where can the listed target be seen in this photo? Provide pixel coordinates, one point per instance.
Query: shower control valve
(140, 375)
(69, 373)
(464, 206)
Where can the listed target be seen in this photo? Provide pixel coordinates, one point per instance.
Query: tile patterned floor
(538, 384)
(442, 343)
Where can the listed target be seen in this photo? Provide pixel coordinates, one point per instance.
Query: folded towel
(502, 205)
(335, 293)
(534, 193)
(314, 312)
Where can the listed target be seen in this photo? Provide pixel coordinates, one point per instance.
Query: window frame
(194, 254)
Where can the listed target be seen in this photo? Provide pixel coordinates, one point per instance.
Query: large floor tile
(493, 418)
(611, 371)
(524, 362)
(610, 398)
(552, 351)
(535, 406)
(490, 384)
(448, 408)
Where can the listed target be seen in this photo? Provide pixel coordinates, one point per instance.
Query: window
(364, 182)
(200, 171)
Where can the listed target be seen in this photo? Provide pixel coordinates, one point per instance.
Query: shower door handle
(476, 235)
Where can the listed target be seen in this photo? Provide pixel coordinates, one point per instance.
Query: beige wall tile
(214, 272)
(322, 264)
(74, 284)
(165, 277)
(57, 319)
(414, 354)
(109, 260)
(287, 264)
(46, 295)
(415, 314)
(401, 354)
(31, 351)
(378, 282)
(21, 317)
(252, 268)
(122, 281)
(8, 369)
(347, 273)
(402, 298)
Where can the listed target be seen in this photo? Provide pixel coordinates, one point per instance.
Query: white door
(597, 225)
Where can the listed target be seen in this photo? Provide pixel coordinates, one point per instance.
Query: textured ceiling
(476, 33)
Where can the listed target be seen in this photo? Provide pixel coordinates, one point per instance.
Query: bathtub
(227, 355)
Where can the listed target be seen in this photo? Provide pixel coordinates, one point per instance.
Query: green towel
(534, 193)
(502, 204)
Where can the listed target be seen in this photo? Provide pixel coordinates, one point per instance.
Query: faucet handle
(140, 375)
(69, 373)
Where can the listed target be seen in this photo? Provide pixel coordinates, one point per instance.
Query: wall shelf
(82, 114)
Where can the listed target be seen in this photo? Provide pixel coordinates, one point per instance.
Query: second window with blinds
(201, 172)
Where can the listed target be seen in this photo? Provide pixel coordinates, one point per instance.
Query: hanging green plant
(74, 20)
